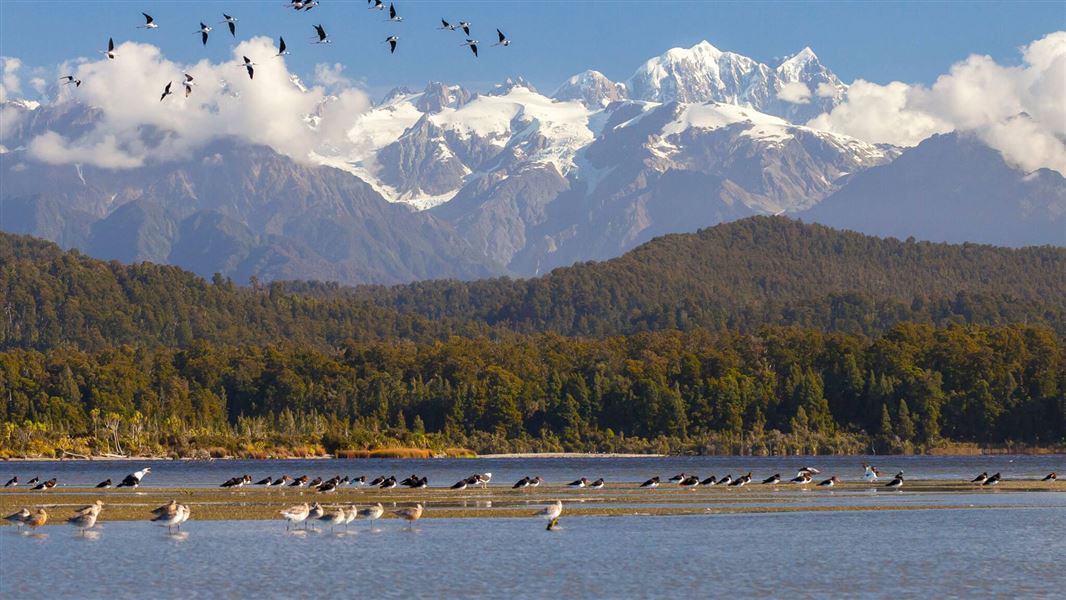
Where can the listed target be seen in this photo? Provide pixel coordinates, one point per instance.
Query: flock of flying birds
(173, 514)
(321, 37)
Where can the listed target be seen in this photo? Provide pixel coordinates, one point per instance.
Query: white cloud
(795, 92)
(10, 85)
(331, 76)
(1018, 110)
(826, 90)
(136, 127)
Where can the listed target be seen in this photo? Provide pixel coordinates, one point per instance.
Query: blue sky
(911, 41)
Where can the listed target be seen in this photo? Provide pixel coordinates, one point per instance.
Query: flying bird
(110, 48)
(188, 85)
(248, 64)
(281, 47)
(465, 26)
(447, 26)
(322, 37)
(503, 39)
(378, 4)
(166, 91)
(391, 41)
(70, 79)
(232, 22)
(395, 18)
(203, 31)
(473, 46)
(149, 22)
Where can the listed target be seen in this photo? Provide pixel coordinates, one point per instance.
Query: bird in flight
(472, 44)
(203, 31)
(232, 22)
(248, 64)
(188, 85)
(391, 41)
(395, 18)
(503, 39)
(281, 47)
(465, 26)
(70, 79)
(322, 37)
(149, 22)
(110, 48)
(447, 26)
(378, 4)
(166, 91)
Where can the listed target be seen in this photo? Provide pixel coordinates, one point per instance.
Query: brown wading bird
(85, 518)
(36, 519)
(409, 514)
(18, 519)
(295, 514)
(551, 513)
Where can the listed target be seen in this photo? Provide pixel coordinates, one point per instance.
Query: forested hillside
(765, 335)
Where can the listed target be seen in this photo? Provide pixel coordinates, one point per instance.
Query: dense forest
(760, 336)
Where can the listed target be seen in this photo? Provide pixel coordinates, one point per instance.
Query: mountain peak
(591, 88)
(801, 58)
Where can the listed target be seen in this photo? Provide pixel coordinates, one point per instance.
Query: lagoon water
(981, 544)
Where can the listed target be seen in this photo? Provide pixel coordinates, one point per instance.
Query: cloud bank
(1018, 110)
(136, 127)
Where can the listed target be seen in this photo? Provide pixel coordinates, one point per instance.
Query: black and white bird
(521, 483)
(829, 482)
(420, 484)
(728, 479)
(149, 22)
(773, 479)
(188, 89)
(388, 484)
(283, 480)
(802, 479)
(46, 485)
(103, 485)
(166, 91)
(377, 480)
(281, 47)
(13, 482)
(897, 481)
(709, 481)
(808, 470)
(651, 483)
(742, 481)
(34, 481)
(395, 18)
(391, 41)
(70, 79)
(446, 26)
(580, 483)
(231, 22)
(328, 487)
(322, 37)
(203, 31)
(473, 46)
(248, 65)
(460, 485)
(266, 481)
(678, 478)
(535, 481)
(980, 479)
(1050, 477)
(110, 53)
(503, 39)
(483, 479)
(361, 480)
(465, 26)
(300, 481)
(377, 4)
(598, 484)
(993, 480)
(134, 479)
(690, 482)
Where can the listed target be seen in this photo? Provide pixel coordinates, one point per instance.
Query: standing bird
(596, 485)
(897, 481)
(521, 483)
(679, 477)
(773, 479)
(535, 481)
(322, 37)
(134, 479)
(334, 518)
(104, 484)
(281, 47)
(692, 481)
(980, 479)
(284, 479)
(13, 482)
(742, 480)
(391, 41)
(829, 482)
(295, 514)
(551, 513)
(267, 481)
(149, 22)
(410, 514)
(727, 480)
(473, 46)
(1050, 477)
(18, 519)
(809, 471)
(166, 91)
(993, 480)
(84, 520)
(45, 485)
(580, 483)
(483, 479)
(36, 519)
(395, 18)
(651, 483)
(95, 507)
(459, 485)
(446, 26)
(110, 53)
(373, 513)
(248, 64)
(870, 473)
(709, 481)
(170, 516)
(34, 481)
(316, 512)
(465, 26)
(503, 39)
(203, 31)
(803, 478)
(232, 22)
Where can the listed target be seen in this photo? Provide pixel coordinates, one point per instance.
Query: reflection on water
(1014, 551)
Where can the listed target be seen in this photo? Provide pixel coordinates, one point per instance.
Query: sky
(913, 42)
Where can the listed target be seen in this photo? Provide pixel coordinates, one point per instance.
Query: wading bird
(19, 518)
(38, 518)
(1050, 477)
(773, 479)
(134, 479)
(829, 482)
(104, 484)
(709, 481)
(410, 514)
(651, 483)
(295, 514)
(373, 513)
(551, 513)
(13, 482)
(980, 479)
(993, 480)
(897, 481)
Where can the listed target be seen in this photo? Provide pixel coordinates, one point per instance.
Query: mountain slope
(951, 188)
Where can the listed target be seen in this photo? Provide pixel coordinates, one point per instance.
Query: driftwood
(68, 453)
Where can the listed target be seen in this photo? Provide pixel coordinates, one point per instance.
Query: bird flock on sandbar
(313, 515)
(320, 37)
